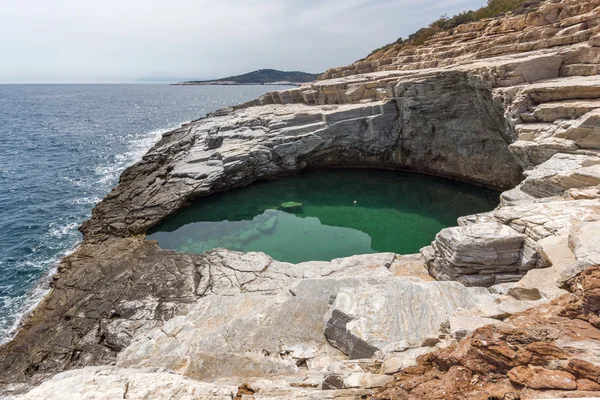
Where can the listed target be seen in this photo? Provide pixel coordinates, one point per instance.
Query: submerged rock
(269, 225)
(291, 206)
(249, 235)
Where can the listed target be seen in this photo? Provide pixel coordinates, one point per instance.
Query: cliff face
(510, 103)
(444, 124)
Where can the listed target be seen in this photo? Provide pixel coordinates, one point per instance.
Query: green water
(313, 215)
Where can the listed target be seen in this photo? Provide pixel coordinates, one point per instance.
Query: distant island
(260, 77)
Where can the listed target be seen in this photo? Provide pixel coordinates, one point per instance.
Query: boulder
(541, 378)
(390, 317)
(473, 254)
(538, 283)
(584, 240)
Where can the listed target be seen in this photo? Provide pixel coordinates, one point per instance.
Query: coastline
(42, 286)
(227, 83)
(352, 326)
(129, 143)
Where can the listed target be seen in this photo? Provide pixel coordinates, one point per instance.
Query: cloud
(110, 40)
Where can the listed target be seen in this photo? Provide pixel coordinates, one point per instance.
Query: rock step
(532, 153)
(531, 131)
(302, 129)
(457, 53)
(585, 132)
(373, 82)
(539, 283)
(565, 88)
(500, 44)
(580, 69)
(535, 45)
(538, 142)
(552, 111)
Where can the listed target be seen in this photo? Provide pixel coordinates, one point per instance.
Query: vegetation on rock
(494, 8)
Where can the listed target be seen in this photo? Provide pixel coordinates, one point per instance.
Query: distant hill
(260, 77)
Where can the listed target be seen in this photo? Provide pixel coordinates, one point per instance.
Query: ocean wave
(85, 200)
(81, 146)
(15, 308)
(139, 145)
(64, 230)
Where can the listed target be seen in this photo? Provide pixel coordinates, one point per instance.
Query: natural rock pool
(325, 214)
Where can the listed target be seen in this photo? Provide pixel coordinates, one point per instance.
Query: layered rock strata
(546, 352)
(233, 321)
(446, 124)
(509, 103)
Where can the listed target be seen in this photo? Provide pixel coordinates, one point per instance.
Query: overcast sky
(122, 40)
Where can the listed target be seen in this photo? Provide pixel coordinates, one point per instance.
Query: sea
(62, 149)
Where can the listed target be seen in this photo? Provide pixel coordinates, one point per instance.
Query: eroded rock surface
(511, 103)
(469, 141)
(243, 320)
(547, 352)
(359, 325)
(109, 383)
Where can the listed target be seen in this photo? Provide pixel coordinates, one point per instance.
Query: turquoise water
(325, 214)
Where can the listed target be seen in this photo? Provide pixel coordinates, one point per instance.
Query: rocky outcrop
(455, 121)
(479, 254)
(359, 325)
(553, 24)
(547, 352)
(509, 103)
(236, 147)
(236, 320)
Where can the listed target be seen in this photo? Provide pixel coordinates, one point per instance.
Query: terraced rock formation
(509, 103)
(547, 352)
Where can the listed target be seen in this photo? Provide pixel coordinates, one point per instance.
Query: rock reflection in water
(322, 215)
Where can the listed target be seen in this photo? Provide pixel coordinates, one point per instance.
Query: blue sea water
(62, 148)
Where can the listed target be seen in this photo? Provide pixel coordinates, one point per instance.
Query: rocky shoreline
(509, 103)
